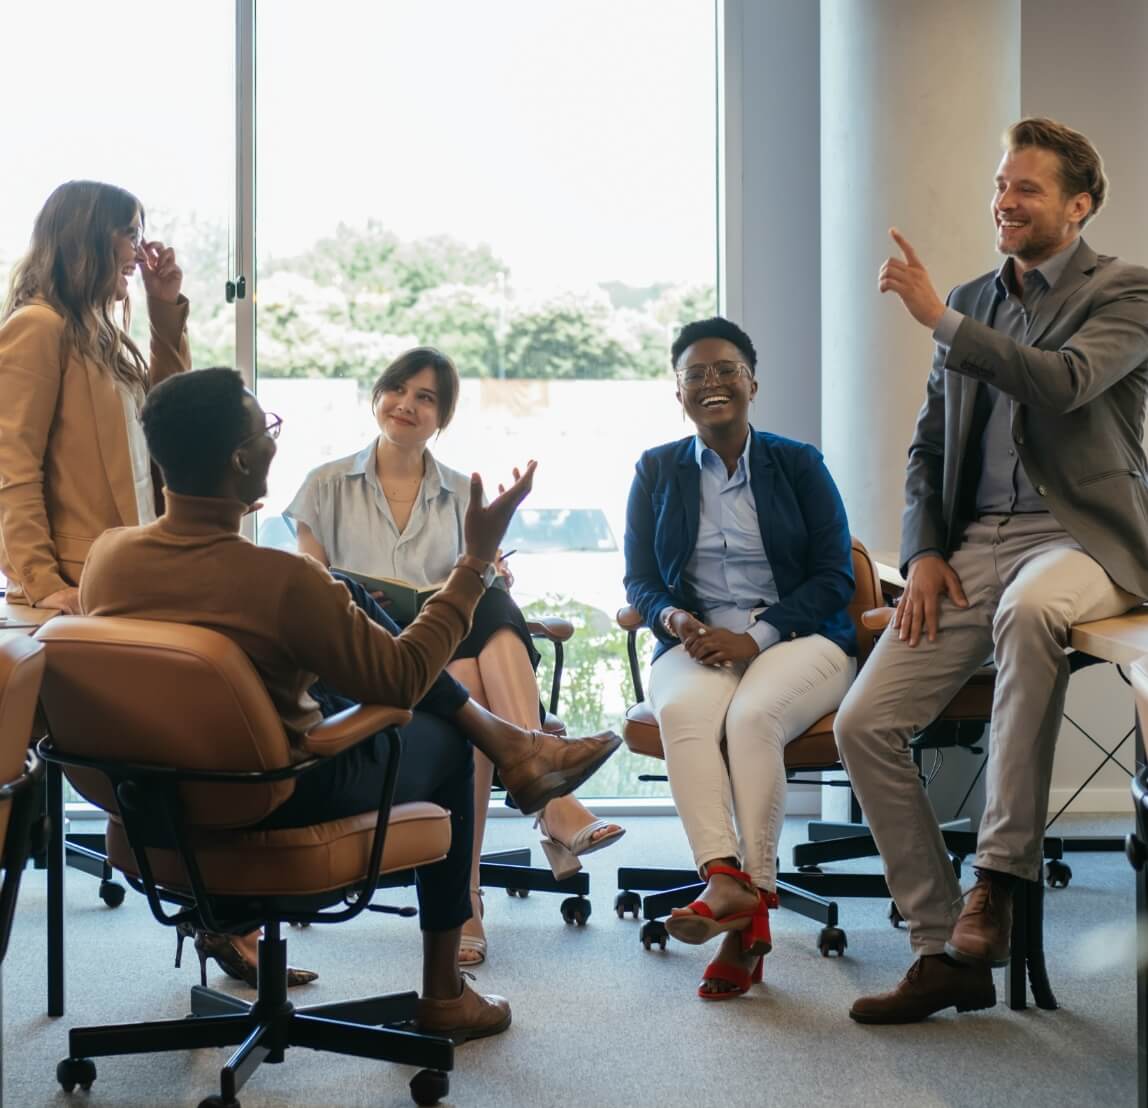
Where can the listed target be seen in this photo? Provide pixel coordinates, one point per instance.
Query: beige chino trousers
(1027, 582)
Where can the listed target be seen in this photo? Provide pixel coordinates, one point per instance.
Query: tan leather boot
(550, 767)
(932, 984)
(468, 1016)
(983, 933)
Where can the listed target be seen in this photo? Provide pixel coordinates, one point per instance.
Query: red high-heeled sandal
(696, 923)
(741, 979)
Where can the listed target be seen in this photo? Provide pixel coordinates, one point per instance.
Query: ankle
(996, 877)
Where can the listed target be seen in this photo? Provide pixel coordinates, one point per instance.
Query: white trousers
(724, 732)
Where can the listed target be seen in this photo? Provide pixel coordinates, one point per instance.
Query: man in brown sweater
(295, 622)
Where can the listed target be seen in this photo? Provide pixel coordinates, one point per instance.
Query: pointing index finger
(906, 247)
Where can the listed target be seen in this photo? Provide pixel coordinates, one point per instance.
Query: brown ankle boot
(468, 1016)
(983, 933)
(932, 984)
(550, 767)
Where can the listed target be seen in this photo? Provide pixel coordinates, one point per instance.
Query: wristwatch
(485, 570)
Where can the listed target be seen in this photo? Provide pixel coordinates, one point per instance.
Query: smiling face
(127, 248)
(1034, 219)
(713, 404)
(408, 413)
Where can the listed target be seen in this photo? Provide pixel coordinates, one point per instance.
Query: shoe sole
(967, 959)
(696, 930)
(964, 1006)
(550, 786)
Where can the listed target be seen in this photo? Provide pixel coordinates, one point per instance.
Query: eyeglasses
(134, 235)
(274, 426)
(724, 373)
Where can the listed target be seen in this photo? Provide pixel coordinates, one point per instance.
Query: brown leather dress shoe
(552, 767)
(468, 1016)
(932, 984)
(983, 932)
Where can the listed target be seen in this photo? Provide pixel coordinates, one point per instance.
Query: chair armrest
(629, 618)
(551, 627)
(877, 619)
(351, 726)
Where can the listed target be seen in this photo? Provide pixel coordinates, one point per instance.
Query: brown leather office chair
(169, 730)
(21, 821)
(813, 751)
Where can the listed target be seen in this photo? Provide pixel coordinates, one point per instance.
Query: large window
(530, 187)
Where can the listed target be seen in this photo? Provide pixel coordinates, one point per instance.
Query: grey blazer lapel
(1080, 268)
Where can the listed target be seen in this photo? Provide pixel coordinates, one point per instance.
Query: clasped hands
(711, 646)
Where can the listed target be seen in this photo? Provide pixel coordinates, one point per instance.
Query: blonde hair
(1081, 167)
(71, 265)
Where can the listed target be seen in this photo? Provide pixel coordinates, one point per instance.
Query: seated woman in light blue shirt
(738, 556)
(392, 510)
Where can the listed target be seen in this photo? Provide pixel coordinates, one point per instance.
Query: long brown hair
(71, 265)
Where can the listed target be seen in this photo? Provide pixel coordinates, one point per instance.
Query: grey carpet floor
(600, 1021)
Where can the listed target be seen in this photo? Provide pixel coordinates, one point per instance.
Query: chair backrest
(866, 596)
(163, 694)
(21, 671)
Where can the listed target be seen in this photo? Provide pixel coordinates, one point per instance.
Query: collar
(701, 450)
(1051, 269)
(201, 515)
(363, 465)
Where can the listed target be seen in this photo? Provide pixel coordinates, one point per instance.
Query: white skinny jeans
(724, 732)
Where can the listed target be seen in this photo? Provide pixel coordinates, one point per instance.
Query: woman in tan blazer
(73, 461)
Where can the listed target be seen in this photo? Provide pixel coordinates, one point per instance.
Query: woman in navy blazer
(738, 557)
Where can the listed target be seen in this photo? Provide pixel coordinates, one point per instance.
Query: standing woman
(738, 558)
(73, 460)
(392, 510)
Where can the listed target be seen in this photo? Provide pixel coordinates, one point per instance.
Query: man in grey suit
(1026, 512)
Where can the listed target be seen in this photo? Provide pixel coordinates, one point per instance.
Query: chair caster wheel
(576, 909)
(895, 917)
(429, 1086)
(523, 893)
(76, 1071)
(112, 893)
(627, 902)
(1058, 874)
(654, 931)
(832, 941)
(218, 1102)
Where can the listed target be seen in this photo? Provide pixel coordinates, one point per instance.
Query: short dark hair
(193, 422)
(716, 327)
(405, 366)
(1081, 167)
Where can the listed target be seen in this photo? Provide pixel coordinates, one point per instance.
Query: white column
(771, 203)
(914, 98)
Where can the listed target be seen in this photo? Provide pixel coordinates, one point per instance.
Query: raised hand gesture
(161, 274)
(910, 280)
(483, 528)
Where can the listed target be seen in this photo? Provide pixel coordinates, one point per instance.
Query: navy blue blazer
(804, 532)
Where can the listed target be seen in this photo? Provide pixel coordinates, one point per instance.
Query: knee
(756, 723)
(679, 721)
(851, 725)
(1028, 617)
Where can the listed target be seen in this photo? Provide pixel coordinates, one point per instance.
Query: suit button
(1042, 490)
(793, 634)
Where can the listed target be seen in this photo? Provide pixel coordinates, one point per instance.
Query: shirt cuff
(764, 634)
(946, 330)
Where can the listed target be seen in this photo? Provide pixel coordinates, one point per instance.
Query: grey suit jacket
(1080, 383)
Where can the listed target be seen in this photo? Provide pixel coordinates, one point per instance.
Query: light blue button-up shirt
(728, 570)
(343, 504)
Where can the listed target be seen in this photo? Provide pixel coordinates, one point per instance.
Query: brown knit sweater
(285, 611)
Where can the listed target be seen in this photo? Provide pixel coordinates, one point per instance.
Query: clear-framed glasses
(274, 424)
(724, 373)
(134, 235)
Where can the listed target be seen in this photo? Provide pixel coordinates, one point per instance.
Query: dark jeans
(436, 765)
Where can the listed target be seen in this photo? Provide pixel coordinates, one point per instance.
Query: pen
(503, 557)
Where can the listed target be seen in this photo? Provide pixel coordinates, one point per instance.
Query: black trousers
(436, 765)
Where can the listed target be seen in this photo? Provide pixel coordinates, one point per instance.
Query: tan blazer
(65, 465)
